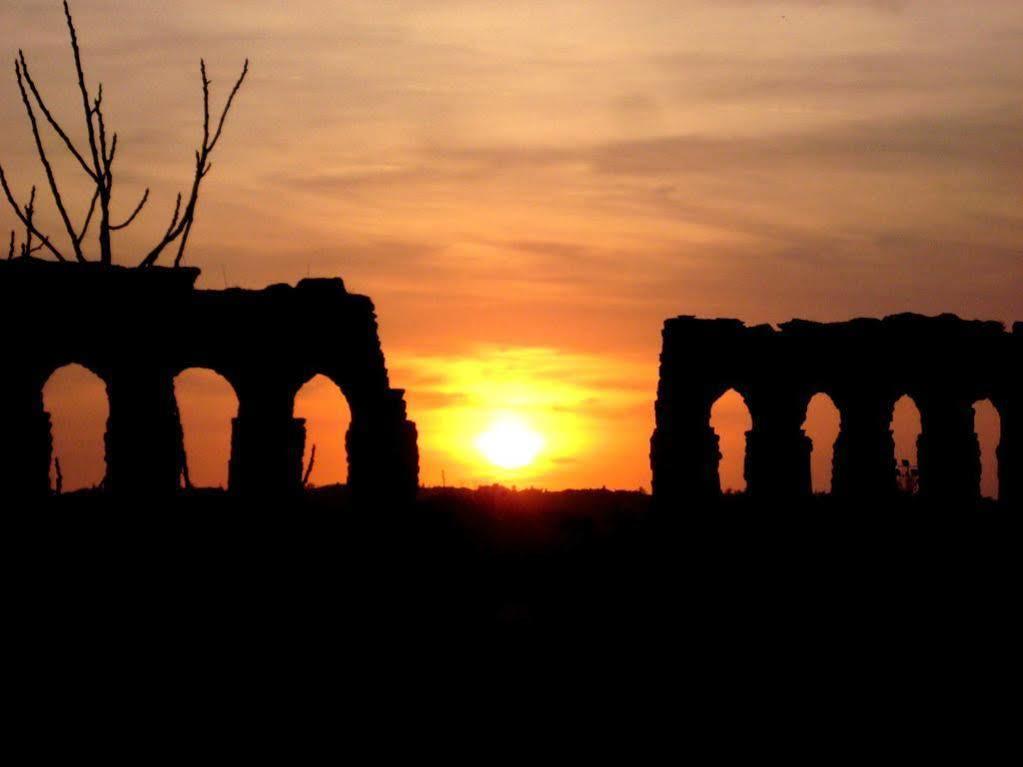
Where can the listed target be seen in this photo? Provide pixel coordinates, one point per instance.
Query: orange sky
(527, 189)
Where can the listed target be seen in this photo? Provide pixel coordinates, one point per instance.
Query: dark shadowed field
(496, 559)
(723, 602)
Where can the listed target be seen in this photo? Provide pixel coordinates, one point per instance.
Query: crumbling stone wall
(137, 329)
(944, 363)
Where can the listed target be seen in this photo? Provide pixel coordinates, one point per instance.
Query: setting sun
(510, 443)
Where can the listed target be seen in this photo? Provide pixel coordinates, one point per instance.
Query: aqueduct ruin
(137, 329)
(944, 363)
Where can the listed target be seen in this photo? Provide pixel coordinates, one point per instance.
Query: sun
(510, 443)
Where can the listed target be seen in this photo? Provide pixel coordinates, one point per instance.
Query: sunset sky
(528, 189)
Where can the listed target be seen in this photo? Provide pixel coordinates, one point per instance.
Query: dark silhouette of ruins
(944, 363)
(138, 328)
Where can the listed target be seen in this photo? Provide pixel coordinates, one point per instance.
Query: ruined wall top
(899, 354)
(107, 317)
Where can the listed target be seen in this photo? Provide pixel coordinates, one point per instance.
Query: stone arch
(326, 414)
(269, 443)
(731, 420)
(207, 406)
(381, 443)
(907, 430)
(945, 363)
(821, 425)
(263, 341)
(76, 408)
(987, 425)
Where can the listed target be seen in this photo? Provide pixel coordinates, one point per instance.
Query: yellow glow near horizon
(568, 400)
(510, 443)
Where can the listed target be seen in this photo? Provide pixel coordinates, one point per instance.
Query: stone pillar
(267, 442)
(777, 449)
(864, 459)
(1010, 448)
(383, 455)
(143, 433)
(26, 445)
(948, 451)
(684, 454)
(1010, 454)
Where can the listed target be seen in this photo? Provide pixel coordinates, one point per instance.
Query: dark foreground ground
(867, 617)
(203, 605)
(494, 560)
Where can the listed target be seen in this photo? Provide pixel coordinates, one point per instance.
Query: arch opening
(987, 424)
(731, 420)
(822, 424)
(79, 406)
(327, 417)
(906, 429)
(207, 405)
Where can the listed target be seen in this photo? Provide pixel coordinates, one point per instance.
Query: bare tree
(97, 164)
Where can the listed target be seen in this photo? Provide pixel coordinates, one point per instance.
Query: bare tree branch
(106, 182)
(138, 209)
(100, 160)
(113, 151)
(30, 211)
(203, 166)
(227, 106)
(29, 226)
(85, 92)
(205, 104)
(182, 228)
(199, 175)
(50, 118)
(97, 111)
(46, 164)
(174, 218)
(10, 250)
(88, 217)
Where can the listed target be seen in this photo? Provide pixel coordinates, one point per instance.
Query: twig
(30, 211)
(88, 217)
(181, 223)
(185, 476)
(100, 163)
(138, 209)
(174, 218)
(84, 91)
(46, 164)
(60, 475)
(27, 221)
(50, 118)
(227, 106)
(309, 468)
(106, 182)
(97, 161)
